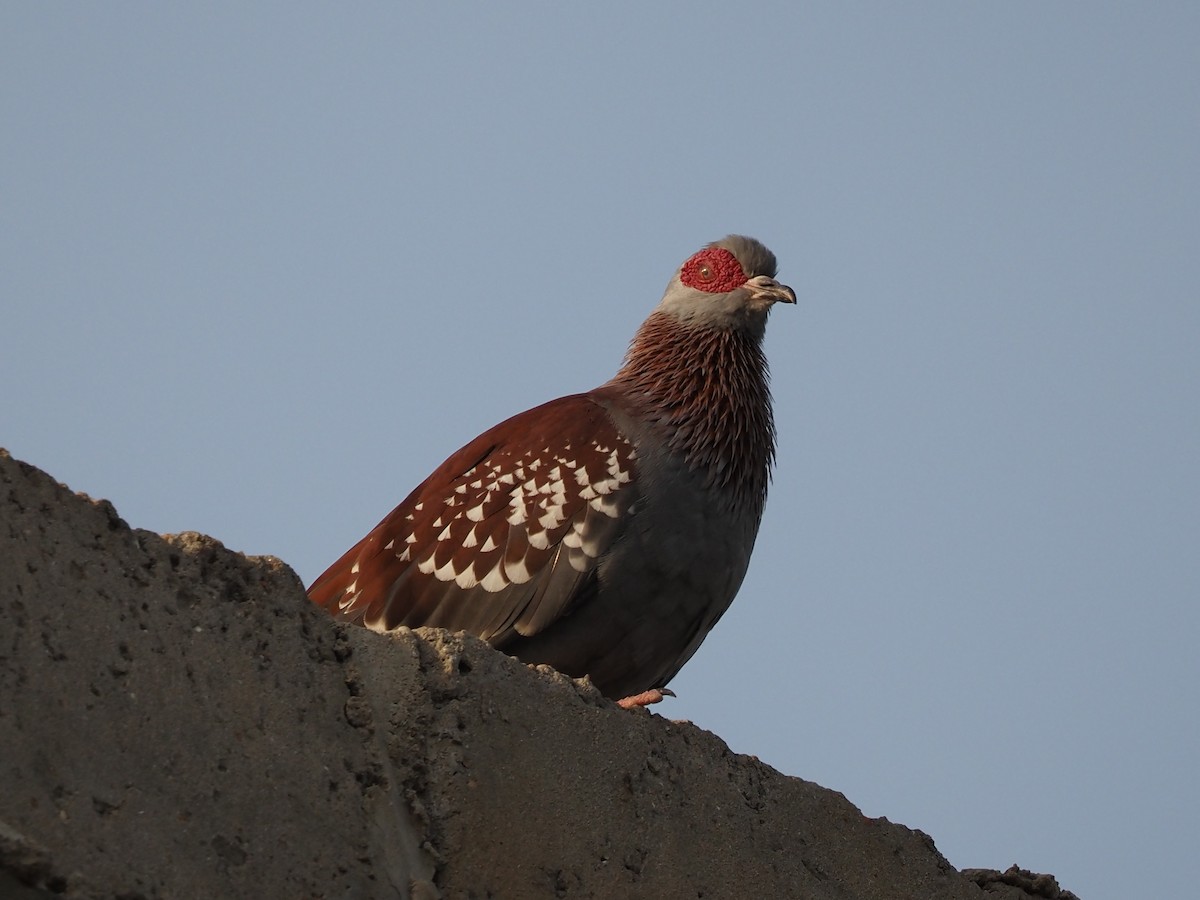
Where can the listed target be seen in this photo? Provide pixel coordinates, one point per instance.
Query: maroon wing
(503, 538)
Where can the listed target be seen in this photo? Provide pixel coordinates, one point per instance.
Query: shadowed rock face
(178, 721)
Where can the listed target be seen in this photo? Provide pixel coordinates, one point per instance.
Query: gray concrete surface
(177, 721)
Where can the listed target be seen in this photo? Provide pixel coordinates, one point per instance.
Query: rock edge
(179, 721)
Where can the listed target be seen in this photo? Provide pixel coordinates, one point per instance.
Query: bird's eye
(713, 270)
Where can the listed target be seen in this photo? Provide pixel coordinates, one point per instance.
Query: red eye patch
(714, 270)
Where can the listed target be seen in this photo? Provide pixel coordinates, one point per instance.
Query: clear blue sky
(265, 265)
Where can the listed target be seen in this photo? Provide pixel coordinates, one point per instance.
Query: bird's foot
(645, 698)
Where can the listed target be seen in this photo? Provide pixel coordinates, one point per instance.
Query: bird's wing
(504, 538)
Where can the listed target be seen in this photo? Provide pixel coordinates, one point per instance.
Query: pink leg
(645, 698)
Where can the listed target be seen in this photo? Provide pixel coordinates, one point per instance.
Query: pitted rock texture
(177, 720)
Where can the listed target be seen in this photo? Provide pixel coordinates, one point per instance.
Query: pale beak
(764, 287)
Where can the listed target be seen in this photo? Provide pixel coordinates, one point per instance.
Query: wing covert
(503, 538)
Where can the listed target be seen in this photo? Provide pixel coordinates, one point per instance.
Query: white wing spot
(553, 517)
(494, 580)
(605, 504)
(614, 468)
(516, 503)
(517, 572)
(574, 537)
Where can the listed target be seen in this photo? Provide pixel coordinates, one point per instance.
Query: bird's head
(729, 284)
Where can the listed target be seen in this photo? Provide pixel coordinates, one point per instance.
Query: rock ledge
(178, 721)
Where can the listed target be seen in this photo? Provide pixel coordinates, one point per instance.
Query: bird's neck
(703, 392)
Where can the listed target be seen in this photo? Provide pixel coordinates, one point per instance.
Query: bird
(603, 533)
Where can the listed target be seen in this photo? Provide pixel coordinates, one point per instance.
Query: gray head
(729, 284)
